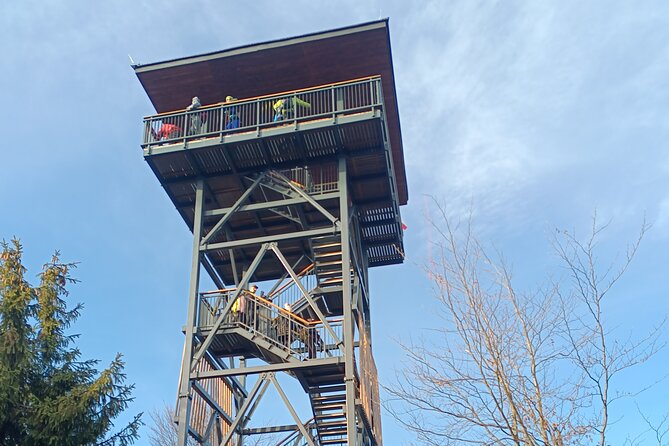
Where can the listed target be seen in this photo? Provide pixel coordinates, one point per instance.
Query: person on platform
(264, 307)
(166, 131)
(312, 340)
(231, 114)
(251, 306)
(285, 108)
(239, 308)
(284, 326)
(194, 105)
(195, 118)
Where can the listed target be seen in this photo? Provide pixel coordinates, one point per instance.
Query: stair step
(327, 263)
(332, 433)
(332, 281)
(327, 251)
(325, 239)
(331, 424)
(334, 264)
(324, 406)
(329, 274)
(324, 275)
(319, 255)
(318, 291)
(329, 416)
(329, 398)
(325, 256)
(328, 389)
(334, 441)
(328, 270)
(325, 246)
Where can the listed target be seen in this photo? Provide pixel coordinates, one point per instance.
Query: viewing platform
(227, 144)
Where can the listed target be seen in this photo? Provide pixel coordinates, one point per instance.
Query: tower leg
(185, 400)
(349, 330)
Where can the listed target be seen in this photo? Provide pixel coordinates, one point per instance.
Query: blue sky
(534, 114)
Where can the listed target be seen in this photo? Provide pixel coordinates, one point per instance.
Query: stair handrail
(266, 317)
(293, 315)
(264, 300)
(306, 270)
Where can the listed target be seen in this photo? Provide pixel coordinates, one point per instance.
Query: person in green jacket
(285, 108)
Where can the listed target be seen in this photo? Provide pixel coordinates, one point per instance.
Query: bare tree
(659, 430)
(163, 428)
(597, 354)
(510, 367)
(164, 431)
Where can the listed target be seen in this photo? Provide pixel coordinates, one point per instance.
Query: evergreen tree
(48, 394)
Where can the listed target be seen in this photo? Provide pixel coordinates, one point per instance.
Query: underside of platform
(229, 165)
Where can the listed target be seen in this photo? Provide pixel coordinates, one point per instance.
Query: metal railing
(288, 292)
(254, 114)
(304, 339)
(317, 179)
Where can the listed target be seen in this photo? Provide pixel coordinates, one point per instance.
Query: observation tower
(289, 171)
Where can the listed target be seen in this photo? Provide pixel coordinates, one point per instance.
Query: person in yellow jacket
(285, 108)
(239, 308)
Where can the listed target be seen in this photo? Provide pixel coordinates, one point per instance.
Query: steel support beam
(237, 387)
(212, 272)
(271, 429)
(245, 196)
(300, 425)
(349, 330)
(210, 424)
(185, 399)
(323, 362)
(271, 204)
(269, 239)
(279, 281)
(306, 197)
(241, 414)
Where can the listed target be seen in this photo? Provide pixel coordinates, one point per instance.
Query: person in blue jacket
(232, 116)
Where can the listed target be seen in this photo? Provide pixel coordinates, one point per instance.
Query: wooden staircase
(327, 267)
(328, 404)
(327, 261)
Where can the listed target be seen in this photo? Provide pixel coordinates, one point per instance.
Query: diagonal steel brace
(242, 285)
(238, 204)
(305, 293)
(306, 197)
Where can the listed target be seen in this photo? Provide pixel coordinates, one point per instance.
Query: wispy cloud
(503, 104)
